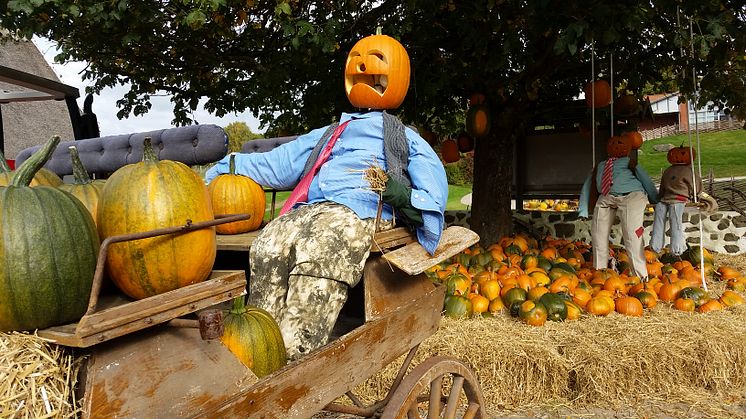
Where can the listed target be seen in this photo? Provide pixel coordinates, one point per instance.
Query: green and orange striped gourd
(254, 337)
(150, 195)
(48, 248)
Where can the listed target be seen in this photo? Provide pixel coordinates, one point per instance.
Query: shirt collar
(359, 115)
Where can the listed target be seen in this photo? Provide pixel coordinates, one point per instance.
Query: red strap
(606, 176)
(300, 193)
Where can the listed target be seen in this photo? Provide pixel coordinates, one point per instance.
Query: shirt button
(323, 184)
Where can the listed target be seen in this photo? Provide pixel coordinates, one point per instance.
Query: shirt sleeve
(279, 168)
(429, 190)
(647, 184)
(584, 196)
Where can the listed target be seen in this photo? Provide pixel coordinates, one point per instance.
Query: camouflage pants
(302, 265)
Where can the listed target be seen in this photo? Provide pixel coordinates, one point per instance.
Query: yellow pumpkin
(235, 194)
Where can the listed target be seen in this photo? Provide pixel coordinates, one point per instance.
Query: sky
(105, 108)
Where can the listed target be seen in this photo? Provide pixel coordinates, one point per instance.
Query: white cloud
(105, 108)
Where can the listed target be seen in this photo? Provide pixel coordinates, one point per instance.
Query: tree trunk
(491, 215)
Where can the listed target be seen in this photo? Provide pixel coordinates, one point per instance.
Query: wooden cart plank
(237, 242)
(305, 386)
(164, 372)
(130, 316)
(391, 238)
(414, 259)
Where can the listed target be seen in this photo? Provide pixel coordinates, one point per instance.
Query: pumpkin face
(680, 155)
(597, 94)
(617, 146)
(147, 196)
(254, 337)
(236, 194)
(50, 247)
(377, 73)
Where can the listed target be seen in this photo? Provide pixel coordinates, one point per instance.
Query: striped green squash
(253, 336)
(48, 251)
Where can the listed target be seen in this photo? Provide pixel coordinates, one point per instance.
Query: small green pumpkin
(49, 248)
(254, 337)
(86, 190)
(556, 308)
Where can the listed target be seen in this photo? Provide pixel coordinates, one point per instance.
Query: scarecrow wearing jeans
(678, 186)
(618, 186)
(304, 262)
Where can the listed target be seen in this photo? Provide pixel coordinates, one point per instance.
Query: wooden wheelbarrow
(172, 372)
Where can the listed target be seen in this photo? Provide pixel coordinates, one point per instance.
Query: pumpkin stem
(378, 30)
(148, 154)
(79, 172)
(28, 169)
(4, 168)
(239, 305)
(232, 164)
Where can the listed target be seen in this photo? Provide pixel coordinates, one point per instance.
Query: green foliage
(238, 133)
(461, 172)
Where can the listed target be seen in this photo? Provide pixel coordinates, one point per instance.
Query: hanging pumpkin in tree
(617, 146)
(597, 94)
(478, 121)
(681, 155)
(465, 143)
(146, 196)
(377, 73)
(449, 151)
(236, 194)
(49, 251)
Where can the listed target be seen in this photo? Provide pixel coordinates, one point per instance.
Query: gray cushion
(261, 145)
(191, 145)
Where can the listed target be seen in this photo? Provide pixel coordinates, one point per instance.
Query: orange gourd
(629, 306)
(449, 151)
(235, 194)
(680, 155)
(597, 94)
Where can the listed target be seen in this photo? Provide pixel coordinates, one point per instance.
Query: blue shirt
(624, 182)
(340, 179)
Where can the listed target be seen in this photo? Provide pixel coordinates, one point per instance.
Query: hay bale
(36, 378)
(668, 356)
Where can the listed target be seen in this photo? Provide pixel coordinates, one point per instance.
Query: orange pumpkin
(669, 292)
(86, 190)
(478, 121)
(635, 139)
(600, 306)
(730, 299)
(618, 146)
(449, 151)
(465, 143)
(712, 305)
(647, 298)
(629, 306)
(235, 194)
(377, 73)
(597, 94)
(684, 304)
(680, 155)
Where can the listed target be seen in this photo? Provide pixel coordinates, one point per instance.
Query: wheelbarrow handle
(187, 227)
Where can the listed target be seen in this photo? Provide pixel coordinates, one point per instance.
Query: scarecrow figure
(618, 186)
(678, 186)
(304, 262)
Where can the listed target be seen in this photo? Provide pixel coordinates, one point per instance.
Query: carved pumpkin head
(681, 155)
(377, 73)
(618, 146)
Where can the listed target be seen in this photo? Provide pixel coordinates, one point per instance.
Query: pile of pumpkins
(554, 280)
(52, 233)
(559, 205)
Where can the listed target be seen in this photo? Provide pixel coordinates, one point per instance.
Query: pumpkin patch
(553, 279)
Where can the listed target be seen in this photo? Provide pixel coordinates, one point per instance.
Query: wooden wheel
(439, 387)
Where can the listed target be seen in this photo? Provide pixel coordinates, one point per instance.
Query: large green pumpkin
(86, 190)
(48, 249)
(150, 195)
(253, 336)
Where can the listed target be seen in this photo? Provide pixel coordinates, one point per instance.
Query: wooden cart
(172, 372)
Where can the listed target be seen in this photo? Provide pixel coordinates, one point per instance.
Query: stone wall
(722, 232)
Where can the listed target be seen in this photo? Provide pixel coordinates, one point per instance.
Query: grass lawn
(722, 152)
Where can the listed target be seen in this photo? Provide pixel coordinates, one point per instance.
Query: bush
(462, 171)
